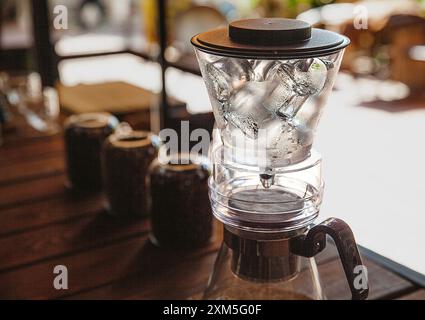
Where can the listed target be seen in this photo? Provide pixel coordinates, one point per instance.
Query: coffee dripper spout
(267, 178)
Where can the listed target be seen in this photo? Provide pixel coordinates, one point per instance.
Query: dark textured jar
(84, 136)
(180, 207)
(125, 163)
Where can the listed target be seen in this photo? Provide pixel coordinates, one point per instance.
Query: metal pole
(1, 24)
(162, 38)
(44, 51)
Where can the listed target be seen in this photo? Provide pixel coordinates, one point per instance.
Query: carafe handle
(314, 241)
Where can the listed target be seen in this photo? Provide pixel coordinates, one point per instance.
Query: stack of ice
(251, 95)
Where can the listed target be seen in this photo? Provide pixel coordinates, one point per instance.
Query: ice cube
(283, 101)
(310, 75)
(228, 74)
(328, 63)
(331, 61)
(246, 110)
(244, 122)
(290, 109)
(298, 80)
(218, 82)
(283, 138)
(280, 134)
(306, 76)
(218, 94)
(223, 77)
(283, 91)
(261, 68)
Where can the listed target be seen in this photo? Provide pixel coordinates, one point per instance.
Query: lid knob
(269, 31)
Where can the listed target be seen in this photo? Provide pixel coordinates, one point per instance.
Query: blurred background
(133, 58)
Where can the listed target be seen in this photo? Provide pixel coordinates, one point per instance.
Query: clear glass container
(256, 266)
(6, 116)
(126, 157)
(39, 106)
(179, 208)
(84, 135)
(266, 105)
(245, 197)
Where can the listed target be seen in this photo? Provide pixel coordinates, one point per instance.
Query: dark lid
(270, 38)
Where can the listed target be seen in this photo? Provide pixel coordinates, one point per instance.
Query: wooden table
(42, 226)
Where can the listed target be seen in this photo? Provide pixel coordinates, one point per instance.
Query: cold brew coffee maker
(268, 81)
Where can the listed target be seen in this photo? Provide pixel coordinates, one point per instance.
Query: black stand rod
(44, 51)
(1, 24)
(162, 38)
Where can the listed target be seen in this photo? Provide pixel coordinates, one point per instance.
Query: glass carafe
(256, 266)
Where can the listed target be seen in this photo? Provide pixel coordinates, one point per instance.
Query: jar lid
(270, 38)
(182, 162)
(131, 140)
(93, 120)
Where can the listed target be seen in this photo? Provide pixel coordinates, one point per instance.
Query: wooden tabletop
(42, 226)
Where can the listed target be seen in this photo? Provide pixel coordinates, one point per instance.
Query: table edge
(409, 274)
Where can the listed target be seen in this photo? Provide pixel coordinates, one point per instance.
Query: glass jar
(39, 107)
(125, 162)
(180, 208)
(84, 135)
